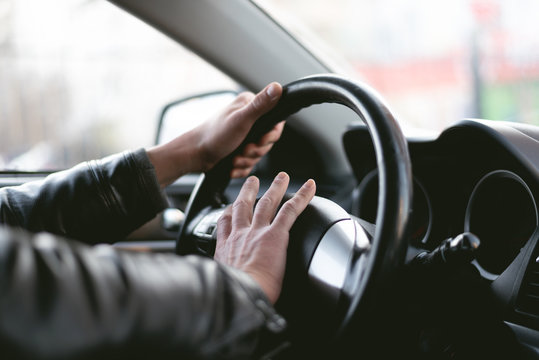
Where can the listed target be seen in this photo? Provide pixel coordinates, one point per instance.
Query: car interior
(424, 245)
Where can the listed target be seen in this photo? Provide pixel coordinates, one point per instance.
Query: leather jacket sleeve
(97, 201)
(65, 300)
(60, 299)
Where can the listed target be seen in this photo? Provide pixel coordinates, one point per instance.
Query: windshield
(435, 62)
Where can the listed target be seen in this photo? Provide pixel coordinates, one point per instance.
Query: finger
(255, 151)
(291, 209)
(269, 202)
(242, 209)
(243, 162)
(272, 136)
(264, 101)
(224, 225)
(258, 150)
(240, 173)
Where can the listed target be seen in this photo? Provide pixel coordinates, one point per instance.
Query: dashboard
(476, 176)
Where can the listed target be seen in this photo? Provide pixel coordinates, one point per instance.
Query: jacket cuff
(274, 322)
(147, 179)
(259, 331)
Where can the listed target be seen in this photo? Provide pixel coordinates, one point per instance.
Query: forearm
(177, 157)
(63, 300)
(98, 201)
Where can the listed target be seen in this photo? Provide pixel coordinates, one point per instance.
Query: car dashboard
(476, 176)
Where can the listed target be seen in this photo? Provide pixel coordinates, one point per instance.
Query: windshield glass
(435, 62)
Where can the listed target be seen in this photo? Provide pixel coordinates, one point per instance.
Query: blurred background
(435, 62)
(79, 79)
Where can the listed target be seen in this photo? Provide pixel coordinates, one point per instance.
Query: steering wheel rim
(395, 178)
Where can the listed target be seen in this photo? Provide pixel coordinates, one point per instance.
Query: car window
(435, 62)
(81, 79)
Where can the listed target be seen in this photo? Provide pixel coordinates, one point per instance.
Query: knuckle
(241, 162)
(250, 150)
(242, 172)
(246, 172)
(290, 208)
(224, 219)
(239, 203)
(256, 152)
(257, 104)
(261, 151)
(246, 165)
(265, 201)
(227, 213)
(245, 97)
(304, 194)
(300, 196)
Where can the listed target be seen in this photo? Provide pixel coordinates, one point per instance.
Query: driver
(65, 299)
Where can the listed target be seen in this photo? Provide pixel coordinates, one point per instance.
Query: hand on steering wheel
(199, 149)
(256, 242)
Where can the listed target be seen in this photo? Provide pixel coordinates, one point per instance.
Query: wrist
(203, 158)
(268, 286)
(175, 158)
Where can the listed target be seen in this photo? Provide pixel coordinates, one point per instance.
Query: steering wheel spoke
(332, 260)
(202, 230)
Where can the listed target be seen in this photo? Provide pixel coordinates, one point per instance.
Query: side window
(81, 79)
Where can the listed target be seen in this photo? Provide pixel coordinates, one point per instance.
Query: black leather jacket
(64, 299)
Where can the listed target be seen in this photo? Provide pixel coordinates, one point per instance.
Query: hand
(201, 148)
(257, 242)
(223, 134)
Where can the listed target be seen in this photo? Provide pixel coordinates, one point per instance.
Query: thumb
(264, 101)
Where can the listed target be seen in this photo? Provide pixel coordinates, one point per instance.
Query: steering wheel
(334, 267)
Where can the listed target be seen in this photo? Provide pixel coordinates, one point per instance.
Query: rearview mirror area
(184, 114)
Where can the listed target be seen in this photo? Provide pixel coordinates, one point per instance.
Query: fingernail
(272, 91)
(281, 176)
(309, 184)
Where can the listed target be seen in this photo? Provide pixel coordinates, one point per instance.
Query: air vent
(529, 292)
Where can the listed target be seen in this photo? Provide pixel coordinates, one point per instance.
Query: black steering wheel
(334, 267)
